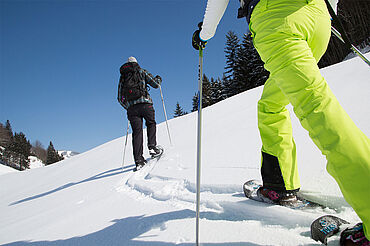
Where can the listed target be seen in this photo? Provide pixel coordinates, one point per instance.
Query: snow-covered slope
(90, 199)
(5, 169)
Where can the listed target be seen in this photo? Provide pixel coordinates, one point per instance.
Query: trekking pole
(124, 149)
(353, 48)
(341, 34)
(199, 140)
(165, 115)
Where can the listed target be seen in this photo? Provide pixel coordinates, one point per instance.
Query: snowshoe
(155, 151)
(283, 198)
(354, 236)
(254, 190)
(139, 165)
(326, 226)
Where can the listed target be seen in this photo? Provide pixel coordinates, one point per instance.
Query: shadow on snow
(105, 174)
(128, 231)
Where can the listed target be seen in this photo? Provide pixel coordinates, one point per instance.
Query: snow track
(225, 204)
(221, 199)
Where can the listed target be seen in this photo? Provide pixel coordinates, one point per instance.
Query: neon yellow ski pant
(291, 36)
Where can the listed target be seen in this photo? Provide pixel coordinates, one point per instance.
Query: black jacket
(147, 78)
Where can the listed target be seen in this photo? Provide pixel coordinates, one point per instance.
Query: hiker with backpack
(291, 36)
(133, 95)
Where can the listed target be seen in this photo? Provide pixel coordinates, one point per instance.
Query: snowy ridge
(91, 199)
(67, 153)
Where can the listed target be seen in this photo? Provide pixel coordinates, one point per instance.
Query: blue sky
(60, 59)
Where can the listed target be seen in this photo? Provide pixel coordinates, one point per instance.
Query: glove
(158, 79)
(196, 41)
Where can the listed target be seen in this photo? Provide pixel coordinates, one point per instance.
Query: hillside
(90, 199)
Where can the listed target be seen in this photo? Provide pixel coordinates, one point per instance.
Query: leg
(290, 38)
(279, 166)
(151, 125)
(137, 133)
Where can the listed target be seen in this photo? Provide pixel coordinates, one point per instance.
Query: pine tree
(206, 89)
(195, 103)
(6, 134)
(243, 67)
(231, 49)
(232, 45)
(23, 148)
(17, 151)
(52, 156)
(8, 128)
(227, 89)
(179, 111)
(206, 95)
(3, 135)
(217, 94)
(249, 71)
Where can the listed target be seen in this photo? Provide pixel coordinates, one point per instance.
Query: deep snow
(90, 199)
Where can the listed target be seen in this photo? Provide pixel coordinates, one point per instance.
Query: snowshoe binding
(354, 236)
(139, 165)
(155, 151)
(283, 198)
(254, 190)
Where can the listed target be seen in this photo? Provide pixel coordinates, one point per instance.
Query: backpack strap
(246, 9)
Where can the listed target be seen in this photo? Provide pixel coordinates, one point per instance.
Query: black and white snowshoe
(139, 165)
(156, 151)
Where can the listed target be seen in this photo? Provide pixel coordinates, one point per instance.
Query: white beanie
(132, 59)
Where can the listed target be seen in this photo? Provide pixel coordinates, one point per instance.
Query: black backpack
(133, 85)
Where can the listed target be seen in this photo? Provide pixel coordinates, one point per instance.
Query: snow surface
(90, 199)
(5, 169)
(35, 162)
